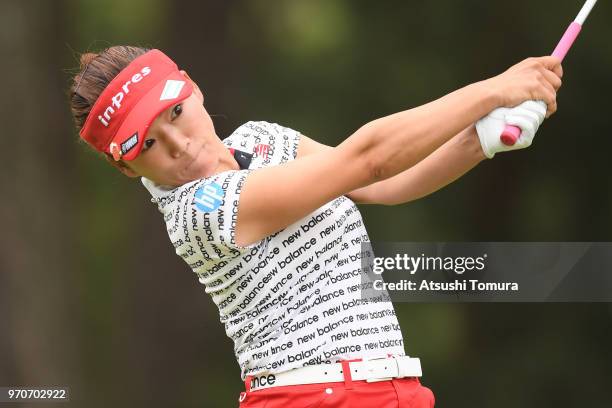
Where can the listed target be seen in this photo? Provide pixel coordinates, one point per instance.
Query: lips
(195, 157)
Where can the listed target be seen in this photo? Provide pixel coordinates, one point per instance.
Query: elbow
(385, 156)
(374, 169)
(383, 162)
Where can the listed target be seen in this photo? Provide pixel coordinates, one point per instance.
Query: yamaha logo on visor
(129, 144)
(126, 146)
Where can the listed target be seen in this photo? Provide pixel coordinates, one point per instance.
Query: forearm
(449, 162)
(402, 140)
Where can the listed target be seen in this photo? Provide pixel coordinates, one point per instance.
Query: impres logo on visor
(110, 110)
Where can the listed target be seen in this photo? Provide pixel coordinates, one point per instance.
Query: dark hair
(96, 71)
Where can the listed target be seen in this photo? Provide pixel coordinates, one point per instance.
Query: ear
(121, 166)
(196, 88)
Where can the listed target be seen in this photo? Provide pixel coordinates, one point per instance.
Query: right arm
(275, 197)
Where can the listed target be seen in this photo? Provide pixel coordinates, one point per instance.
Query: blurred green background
(91, 293)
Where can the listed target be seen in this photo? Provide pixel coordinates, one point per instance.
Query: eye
(147, 144)
(176, 111)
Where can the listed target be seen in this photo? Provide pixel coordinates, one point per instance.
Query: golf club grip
(511, 133)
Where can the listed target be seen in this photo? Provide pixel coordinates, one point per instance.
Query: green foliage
(98, 24)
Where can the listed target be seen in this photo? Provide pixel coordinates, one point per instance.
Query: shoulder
(272, 142)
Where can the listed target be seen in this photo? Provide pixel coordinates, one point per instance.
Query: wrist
(473, 143)
(491, 97)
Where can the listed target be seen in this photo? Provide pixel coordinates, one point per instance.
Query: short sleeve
(290, 138)
(269, 143)
(205, 218)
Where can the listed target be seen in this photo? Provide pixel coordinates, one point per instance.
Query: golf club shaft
(511, 133)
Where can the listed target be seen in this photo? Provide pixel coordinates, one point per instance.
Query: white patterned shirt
(293, 298)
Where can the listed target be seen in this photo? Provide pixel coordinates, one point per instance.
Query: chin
(202, 169)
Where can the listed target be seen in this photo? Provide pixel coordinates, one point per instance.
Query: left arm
(446, 164)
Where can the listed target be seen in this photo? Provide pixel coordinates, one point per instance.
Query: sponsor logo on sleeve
(261, 150)
(209, 197)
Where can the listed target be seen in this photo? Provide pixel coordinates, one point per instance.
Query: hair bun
(86, 58)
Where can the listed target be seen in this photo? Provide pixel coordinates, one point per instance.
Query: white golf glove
(528, 116)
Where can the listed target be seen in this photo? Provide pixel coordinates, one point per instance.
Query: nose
(176, 142)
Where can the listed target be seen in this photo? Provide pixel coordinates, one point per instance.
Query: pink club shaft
(511, 133)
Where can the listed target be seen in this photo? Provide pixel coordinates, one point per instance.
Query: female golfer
(266, 218)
